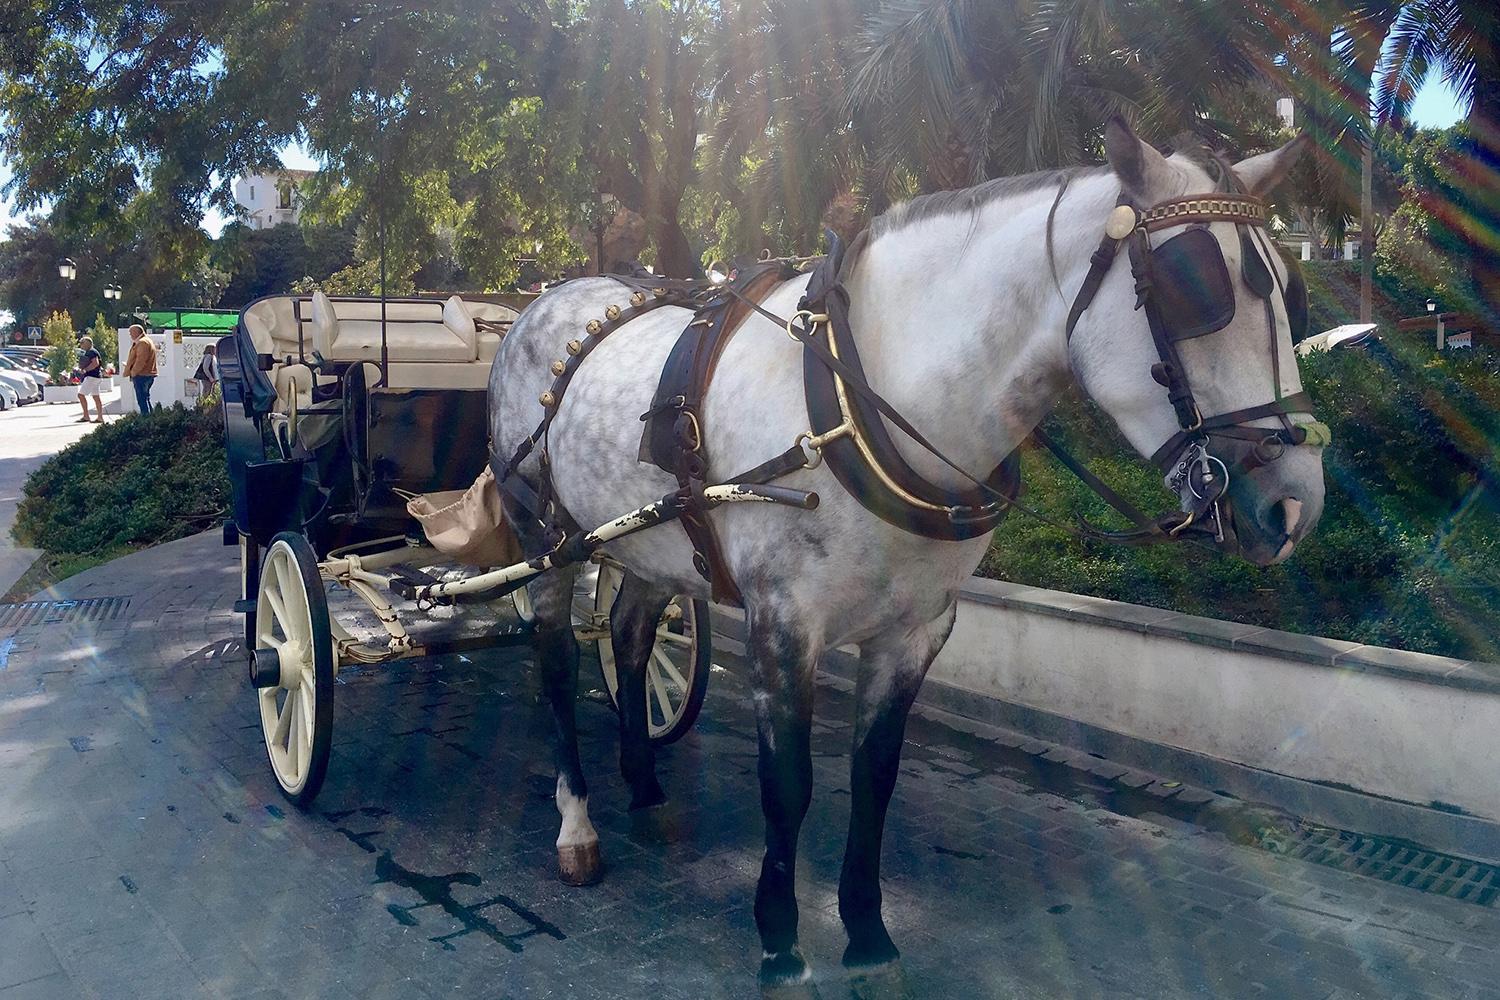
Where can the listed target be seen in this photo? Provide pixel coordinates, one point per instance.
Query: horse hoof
(649, 798)
(785, 976)
(579, 864)
(884, 981)
(660, 824)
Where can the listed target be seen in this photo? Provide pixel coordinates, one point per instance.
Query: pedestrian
(90, 366)
(208, 371)
(140, 366)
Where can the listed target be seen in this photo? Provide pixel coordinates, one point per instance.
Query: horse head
(1189, 349)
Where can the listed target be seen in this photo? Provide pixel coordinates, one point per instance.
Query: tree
(958, 91)
(106, 340)
(1460, 40)
(62, 353)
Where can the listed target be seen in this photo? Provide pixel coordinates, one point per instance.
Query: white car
(23, 385)
(8, 398)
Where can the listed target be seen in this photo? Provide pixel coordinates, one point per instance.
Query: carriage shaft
(502, 581)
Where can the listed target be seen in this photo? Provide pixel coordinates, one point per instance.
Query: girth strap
(673, 438)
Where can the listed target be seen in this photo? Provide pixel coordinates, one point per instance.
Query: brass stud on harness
(594, 326)
(637, 298)
(612, 313)
(660, 293)
(559, 366)
(574, 347)
(547, 399)
(1120, 222)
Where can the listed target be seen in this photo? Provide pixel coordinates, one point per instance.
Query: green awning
(207, 320)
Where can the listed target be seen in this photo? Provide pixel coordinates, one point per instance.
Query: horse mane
(970, 200)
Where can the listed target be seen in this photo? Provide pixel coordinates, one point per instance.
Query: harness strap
(674, 439)
(1131, 511)
(856, 381)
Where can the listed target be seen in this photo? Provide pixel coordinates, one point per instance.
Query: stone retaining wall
(1360, 736)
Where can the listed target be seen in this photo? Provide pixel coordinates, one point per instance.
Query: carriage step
(244, 607)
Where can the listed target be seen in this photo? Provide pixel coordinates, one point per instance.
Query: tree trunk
(1479, 174)
(674, 255)
(1367, 231)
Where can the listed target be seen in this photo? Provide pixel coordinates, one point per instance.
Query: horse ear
(1141, 169)
(1260, 174)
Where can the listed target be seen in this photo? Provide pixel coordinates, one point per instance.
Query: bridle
(1175, 313)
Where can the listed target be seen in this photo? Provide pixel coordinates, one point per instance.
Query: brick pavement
(145, 852)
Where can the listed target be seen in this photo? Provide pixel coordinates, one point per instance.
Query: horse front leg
(632, 627)
(578, 861)
(891, 670)
(783, 659)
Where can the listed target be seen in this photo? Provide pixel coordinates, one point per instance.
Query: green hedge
(1407, 553)
(131, 483)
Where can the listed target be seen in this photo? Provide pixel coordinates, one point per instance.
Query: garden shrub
(142, 480)
(62, 352)
(1407, 553)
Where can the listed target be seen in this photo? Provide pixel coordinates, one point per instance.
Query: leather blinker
(1191, 284)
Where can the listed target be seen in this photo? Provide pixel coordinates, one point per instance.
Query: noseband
(1186, 291)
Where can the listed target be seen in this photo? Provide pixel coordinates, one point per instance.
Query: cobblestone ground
(145, 851)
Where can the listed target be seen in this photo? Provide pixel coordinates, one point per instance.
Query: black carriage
(338, 413)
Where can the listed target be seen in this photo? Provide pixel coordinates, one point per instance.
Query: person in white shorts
(90, 367)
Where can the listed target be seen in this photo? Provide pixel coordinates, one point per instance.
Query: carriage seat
(415, 331)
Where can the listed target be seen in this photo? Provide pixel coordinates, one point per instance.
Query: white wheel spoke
(671, 669)
(306, 710)
(284, 577)
(278, 609)
(284, 721)
(667, 635)
(294, 752)
(662, 698)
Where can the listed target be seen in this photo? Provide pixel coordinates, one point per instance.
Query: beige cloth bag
(466, 525)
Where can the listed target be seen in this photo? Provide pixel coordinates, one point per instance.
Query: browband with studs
(1239, 208)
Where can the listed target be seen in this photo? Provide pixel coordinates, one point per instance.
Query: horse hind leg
(632, 626)
(578, 859)
(890, 673)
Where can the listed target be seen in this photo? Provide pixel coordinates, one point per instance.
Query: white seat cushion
(415, 331)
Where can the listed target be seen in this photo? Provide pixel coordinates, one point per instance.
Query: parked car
(8, 397)
(33, 380)
(24, 386)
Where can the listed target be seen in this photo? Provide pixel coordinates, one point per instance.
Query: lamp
(67, 269)
(1431, 306)
(111, 291)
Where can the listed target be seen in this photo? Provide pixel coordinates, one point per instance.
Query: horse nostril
(1291, 514)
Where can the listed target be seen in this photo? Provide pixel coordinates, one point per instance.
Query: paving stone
(426, 866)
(51, 987)
(25, 954)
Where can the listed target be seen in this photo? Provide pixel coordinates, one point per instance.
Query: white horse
(959, 306)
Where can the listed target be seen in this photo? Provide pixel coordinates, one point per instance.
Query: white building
(271, 199)
(1286, 110)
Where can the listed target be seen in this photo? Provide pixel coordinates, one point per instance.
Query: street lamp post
(1432, 309)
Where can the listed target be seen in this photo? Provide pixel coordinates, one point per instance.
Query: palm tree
(963, 89)
(1460, 40)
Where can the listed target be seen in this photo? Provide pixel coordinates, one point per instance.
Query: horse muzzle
(1272, 508)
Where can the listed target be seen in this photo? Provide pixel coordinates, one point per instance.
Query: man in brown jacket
(140, 366)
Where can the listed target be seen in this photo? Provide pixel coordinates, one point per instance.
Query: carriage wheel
(296, 703)
(676, 674)
(249, 581)
(521, 599)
